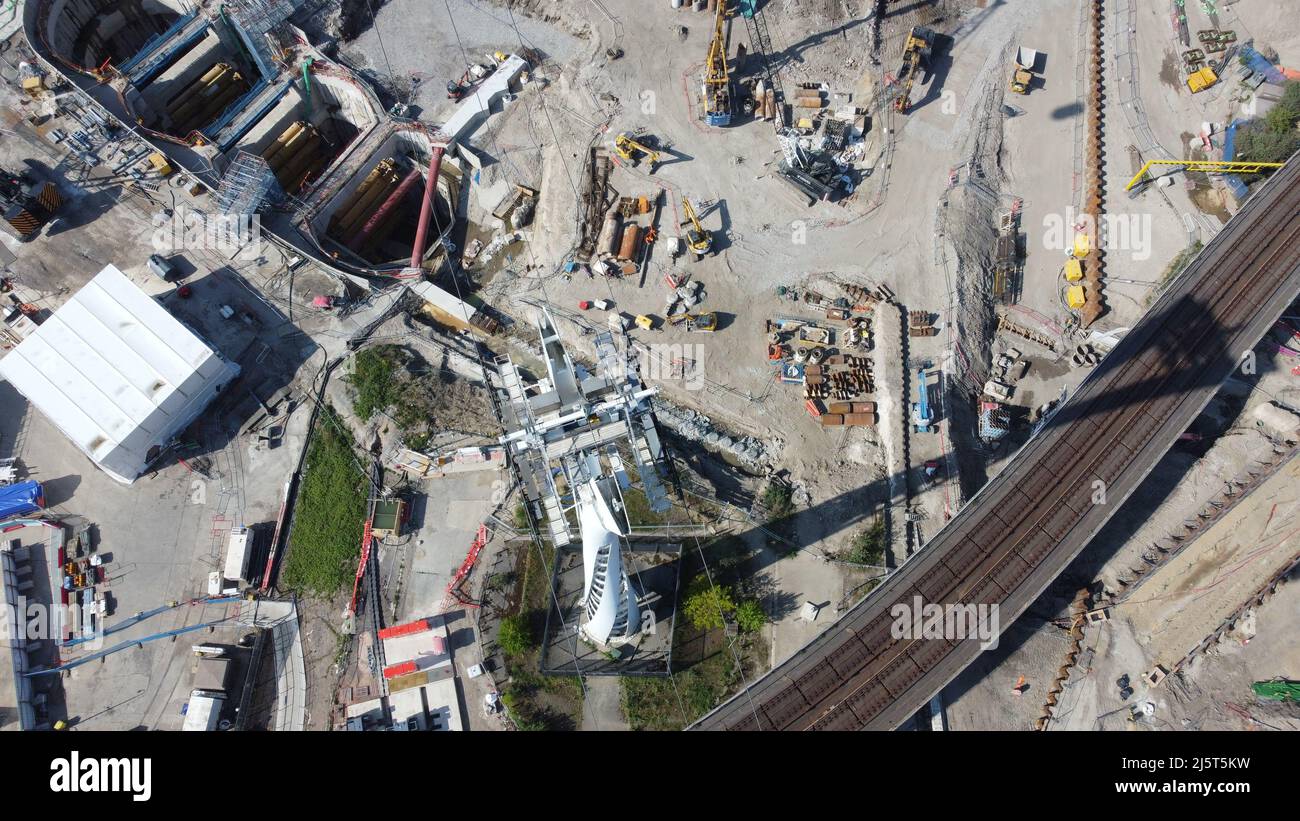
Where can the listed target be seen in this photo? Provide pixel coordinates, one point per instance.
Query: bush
(516, 636)
(708, 605)
(778, 499)
(750, 616)
(869, 546)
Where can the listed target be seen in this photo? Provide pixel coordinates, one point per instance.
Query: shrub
(707, 605)
(750, 616)
(516, 636)
(869, 546)
(778, 499)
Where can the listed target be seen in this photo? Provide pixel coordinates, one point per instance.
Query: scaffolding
(247, 185)
(254, 19)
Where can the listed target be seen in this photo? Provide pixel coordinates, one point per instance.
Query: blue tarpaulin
(1232, 181)
(21, 499)
(1258, 63)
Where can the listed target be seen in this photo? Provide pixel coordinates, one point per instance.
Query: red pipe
(359, 239)
(426, 207)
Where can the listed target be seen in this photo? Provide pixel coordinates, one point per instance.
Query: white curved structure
(610, 613)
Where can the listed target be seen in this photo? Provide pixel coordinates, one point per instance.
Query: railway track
(1026, 525)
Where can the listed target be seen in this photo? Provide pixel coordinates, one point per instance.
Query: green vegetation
(707, 605)
(516, 636)
(868, 546)
(750, 616)
(1272, 138)
(638, 510)
(375, 378)
(671, 704)
(534, 701)
(778, 498)
(331, 511)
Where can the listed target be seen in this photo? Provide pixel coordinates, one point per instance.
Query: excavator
(700, 323)
(634, 150)
(916, 56)
(699, 240)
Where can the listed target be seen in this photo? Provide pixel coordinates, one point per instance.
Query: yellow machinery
(702, 323)
(1020, 80)
(1201, 80)
(1220, 167)
(1075, 297)
(645, 322)
(916, 55)
(699, 240)
(632, 150)
(160, 164)
(717, 82)
(1073, 270)
(1022, 74)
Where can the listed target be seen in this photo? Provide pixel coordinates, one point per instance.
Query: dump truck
(1022, 73)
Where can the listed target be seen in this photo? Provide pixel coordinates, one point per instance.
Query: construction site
(638, 349)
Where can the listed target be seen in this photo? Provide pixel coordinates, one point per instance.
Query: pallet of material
(832, 419)
(928, 331)
(866, 419)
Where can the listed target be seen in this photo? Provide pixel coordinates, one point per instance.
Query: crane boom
(717, 82)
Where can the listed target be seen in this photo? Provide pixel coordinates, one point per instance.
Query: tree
(750, 616)
(516, 636)
(707, 605)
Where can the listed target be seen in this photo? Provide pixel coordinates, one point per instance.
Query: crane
(916, 55)
(633, 150)
(699, 240)
(717, 83)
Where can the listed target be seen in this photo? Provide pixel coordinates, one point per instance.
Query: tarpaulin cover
(20, 499)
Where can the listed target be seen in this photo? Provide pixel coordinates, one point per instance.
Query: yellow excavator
(699, 240)
(916, 56)
(634, 151)
(699, 323)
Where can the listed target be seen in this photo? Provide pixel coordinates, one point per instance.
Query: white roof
(203, 712)
(116, 373)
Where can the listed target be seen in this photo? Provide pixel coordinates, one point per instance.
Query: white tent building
(117, 373)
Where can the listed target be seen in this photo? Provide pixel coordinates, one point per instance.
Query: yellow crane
(717, 83)
(699, 240)
(634, 150)
(1218, 166)
(916, 53)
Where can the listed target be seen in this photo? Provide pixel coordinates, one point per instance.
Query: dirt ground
(767, 238)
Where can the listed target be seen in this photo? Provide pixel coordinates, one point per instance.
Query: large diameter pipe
(426, 207)
(382, 211)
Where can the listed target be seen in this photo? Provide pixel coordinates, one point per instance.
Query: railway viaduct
(1030, 521)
